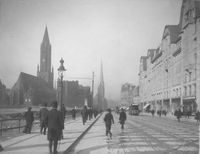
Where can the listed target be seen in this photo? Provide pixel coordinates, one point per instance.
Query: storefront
(158, 105)
(189, 104)
(176, 104)
(166, 105)
(153, 105)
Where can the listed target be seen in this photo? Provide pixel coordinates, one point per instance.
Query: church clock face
(43, 60)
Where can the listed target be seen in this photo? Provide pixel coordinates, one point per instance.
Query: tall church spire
(45, 60)
(46, 36)
(101, 92)
(101, 74)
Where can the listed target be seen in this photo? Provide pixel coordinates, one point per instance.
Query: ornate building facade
(169, 76)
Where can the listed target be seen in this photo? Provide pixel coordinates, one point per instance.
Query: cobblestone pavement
(142, 134)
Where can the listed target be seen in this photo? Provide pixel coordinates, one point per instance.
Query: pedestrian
(1, 148)
(197, 116)
(109, 120)
(159, 113)
(84, 114)
(178, 114)
(43, 116)
(55, 126)
(152, 112)
(73, 113)
(122, 118)
(63, 110)
(95, 113)
(29, 120)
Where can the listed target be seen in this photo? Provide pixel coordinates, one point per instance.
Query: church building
(44, 71)
(30, 90)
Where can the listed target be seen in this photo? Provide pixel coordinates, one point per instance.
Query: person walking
(122, 118)
(152, 112)
(73, 113)
(109, 120)
(63, 110)
(84, 114)
(55, 125)
(29, 120)
(43, 116)
(178, 114)
(197, 116)
(1, 148)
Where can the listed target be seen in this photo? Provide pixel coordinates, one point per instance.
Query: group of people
(52, 120)
(88, 113)
(109, 120)
(178, 113)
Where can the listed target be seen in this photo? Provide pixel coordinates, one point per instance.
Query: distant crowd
(178, 113)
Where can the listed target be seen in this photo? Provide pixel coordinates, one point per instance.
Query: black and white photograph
(99, 76)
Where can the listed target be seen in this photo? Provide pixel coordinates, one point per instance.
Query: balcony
(176, 52)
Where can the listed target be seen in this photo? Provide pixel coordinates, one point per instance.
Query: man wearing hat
(29, 120)
(55, 125)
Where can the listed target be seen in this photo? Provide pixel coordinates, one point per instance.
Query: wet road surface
(142, 134)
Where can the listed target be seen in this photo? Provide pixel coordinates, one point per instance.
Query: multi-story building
(136, 96)
(74, 94)
(169, 76)
(127, 94)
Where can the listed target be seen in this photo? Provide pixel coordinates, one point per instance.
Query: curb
(79, 138)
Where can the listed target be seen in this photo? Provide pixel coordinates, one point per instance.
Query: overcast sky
(83, 32)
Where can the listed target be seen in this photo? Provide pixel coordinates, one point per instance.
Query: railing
(15, 123)
(19, 123)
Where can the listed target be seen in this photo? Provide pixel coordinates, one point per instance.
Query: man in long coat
(84, 114)
(55, 126)
(122, 118)
(43, 116)
(29, 120)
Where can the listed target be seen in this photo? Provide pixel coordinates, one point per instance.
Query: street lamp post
(61, 70)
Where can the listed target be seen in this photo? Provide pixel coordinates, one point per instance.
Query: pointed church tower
(45, 60)
(102, 81)
(102, 105)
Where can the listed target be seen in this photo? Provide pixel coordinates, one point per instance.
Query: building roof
(144, 62)
(33, 82)
(174, 31)
(151, 53)
(197, 6)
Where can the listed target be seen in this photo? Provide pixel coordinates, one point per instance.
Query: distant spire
(101, 73)
(46, 36)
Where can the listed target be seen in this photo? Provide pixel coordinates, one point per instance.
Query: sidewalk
(38, 143)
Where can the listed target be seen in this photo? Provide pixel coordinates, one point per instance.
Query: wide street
(142, 134)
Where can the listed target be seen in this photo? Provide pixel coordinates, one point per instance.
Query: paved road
(142, 134)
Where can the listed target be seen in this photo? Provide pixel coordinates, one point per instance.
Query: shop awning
(146, 106)
(189, 98)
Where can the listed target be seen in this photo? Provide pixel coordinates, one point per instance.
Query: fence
(19, 123)
(15, 123)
